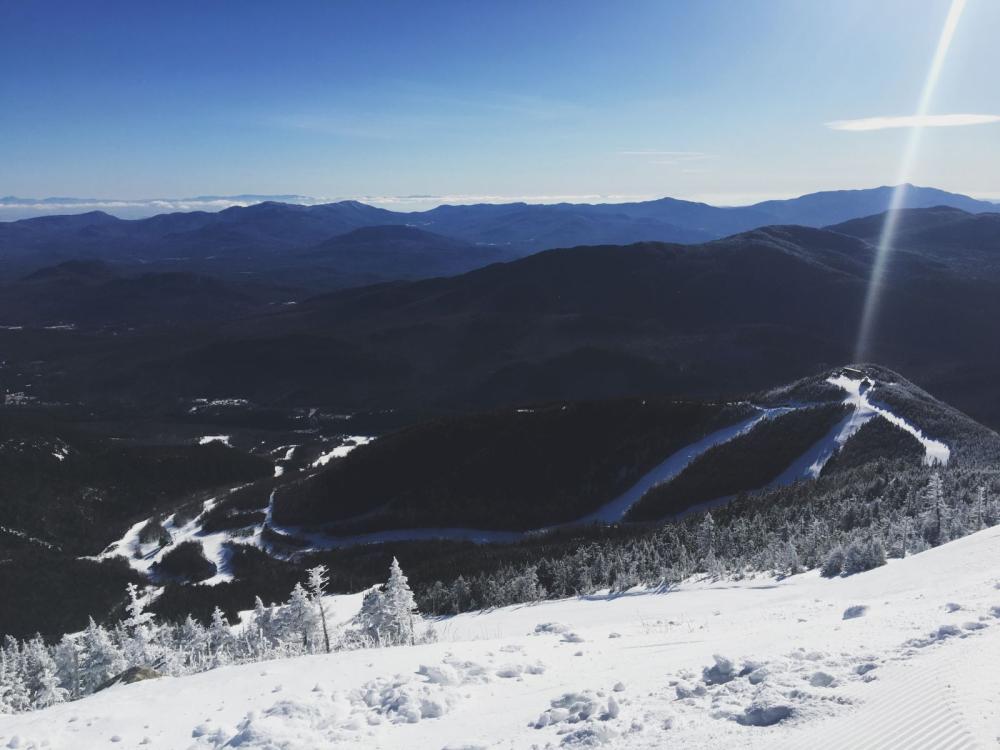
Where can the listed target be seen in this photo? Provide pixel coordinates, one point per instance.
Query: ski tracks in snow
(926, 702)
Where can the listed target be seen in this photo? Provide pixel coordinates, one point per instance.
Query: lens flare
(897, 201)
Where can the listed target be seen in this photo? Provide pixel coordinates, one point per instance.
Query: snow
(757, 663)
(858, 390)
(206, 439)
(345, 447)
(143, 556)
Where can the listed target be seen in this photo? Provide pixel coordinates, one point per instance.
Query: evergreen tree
(399, 606)
(67, 657)
(49, 691)
(299, 618)
(935, 520)
(220, 638)
(371, 617)
(318, 579)
(100, 659)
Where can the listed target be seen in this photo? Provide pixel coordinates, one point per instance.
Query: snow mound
(767, 708)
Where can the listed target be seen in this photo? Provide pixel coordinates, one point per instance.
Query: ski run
(904, 656)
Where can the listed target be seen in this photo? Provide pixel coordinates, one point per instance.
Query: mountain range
(730, 315)
(264, 238)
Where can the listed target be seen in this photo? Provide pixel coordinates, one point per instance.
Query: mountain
(595, 322)
(525, 228)
(949, 236)
(267, 227)
(574, 459)
(92, 294)
(835, 206)
(545, 480)
(254, 238)
(537, 482)
(395, 252)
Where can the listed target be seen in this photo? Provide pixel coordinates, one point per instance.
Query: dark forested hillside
(75, 492)
(593, 322)
(745, 463)
(512, 469)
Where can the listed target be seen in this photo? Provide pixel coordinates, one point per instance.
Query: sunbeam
(884, 249)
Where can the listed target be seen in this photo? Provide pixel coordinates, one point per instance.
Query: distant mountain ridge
(262, 231)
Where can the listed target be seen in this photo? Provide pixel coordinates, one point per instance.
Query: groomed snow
(904, 656)
(857, 389)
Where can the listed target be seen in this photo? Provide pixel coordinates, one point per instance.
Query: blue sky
(726, 101)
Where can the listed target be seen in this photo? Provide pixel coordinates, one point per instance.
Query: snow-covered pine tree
(371, 617)
(980, 511)
(788, 559)
(833, 565)
(936, 513)
(319, 577)
(14, 695)
(67, 656)
(140, 628)
(100, 658)
(220, 639)
(48, 691)
(705, 543)
(400, 607)
(192, 645)
(299, 619)
(263, 627)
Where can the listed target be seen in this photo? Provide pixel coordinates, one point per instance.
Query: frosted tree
(48, 691)
(705, 542)
(264, 625)
(371, 619)
(100, 659)
(935, 520)
(14, 696)
(298, 618)
(788, 559)
(400, 607)
(526, 588)
(139, 648)
(192, 649)
(67, 657)
(220, 638)
(319, 577)
(981, 508)
(833, 565)
(39, 672)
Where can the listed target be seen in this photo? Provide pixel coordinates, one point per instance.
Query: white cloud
(912, 121)
(674, 154)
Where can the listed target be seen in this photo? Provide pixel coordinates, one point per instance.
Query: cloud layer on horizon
(912, 121)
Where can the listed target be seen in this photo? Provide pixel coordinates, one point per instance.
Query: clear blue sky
(720, 100)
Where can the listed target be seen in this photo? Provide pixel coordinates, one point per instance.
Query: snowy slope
(915, 670)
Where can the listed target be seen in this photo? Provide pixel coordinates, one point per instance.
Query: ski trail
(674, 464)
(926, 702)
(935, 452)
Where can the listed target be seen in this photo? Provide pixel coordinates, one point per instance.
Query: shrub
(862, 556)
(833, 566)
